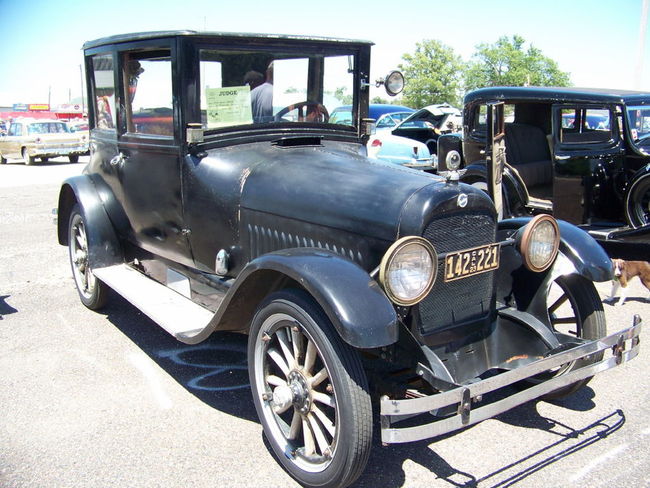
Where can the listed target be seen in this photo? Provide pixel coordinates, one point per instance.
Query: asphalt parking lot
(109, 399)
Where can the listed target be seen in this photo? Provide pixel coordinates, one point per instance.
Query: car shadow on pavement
(215, 371)
(386, 462)
(5, 308)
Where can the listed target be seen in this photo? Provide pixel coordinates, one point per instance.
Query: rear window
(585, 125)
(46, 128)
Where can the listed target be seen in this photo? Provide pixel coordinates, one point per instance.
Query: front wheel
(92, 292)
(73, 158)
(575, 309)
(310, 392)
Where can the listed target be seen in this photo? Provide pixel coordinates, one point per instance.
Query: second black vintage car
(220, 197)
(581, 154)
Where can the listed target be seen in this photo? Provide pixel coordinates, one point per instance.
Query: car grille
(466, 299)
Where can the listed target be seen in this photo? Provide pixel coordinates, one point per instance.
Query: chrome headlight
(453, 160)
(539, 243)
(408, 270)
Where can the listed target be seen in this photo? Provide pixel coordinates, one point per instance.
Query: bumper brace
(623, 345)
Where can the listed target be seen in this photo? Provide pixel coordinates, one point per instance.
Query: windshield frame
(359, 53)
(632, 133)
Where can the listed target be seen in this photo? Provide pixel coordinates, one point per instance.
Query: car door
(136, 139)
(11, 143)
(587, 156)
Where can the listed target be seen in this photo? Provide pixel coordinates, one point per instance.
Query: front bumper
(623, 345)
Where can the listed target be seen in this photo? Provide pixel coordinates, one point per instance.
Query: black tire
(578, 311)
(637, 202)
(316, 412)
(29, 160)
(92, 292)
(3, 160)
(45, 159)
(73, 158)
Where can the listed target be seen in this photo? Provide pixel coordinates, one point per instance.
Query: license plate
(470, 262)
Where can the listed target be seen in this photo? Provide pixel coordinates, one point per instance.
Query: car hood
(331, 186)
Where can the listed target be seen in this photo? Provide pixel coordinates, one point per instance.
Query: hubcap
(298, 399)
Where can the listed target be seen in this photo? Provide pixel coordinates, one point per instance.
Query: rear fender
(103, 245)
(352, 300)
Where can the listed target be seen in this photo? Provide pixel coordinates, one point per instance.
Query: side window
(147, 78)
(16, 130)
(104, 91)
(586, 126)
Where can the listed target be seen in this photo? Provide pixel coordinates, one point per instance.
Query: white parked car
(414, 141)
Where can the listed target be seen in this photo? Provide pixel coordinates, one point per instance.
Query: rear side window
(104, 91)
(585, 125)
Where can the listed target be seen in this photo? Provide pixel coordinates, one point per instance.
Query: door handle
(118, 160)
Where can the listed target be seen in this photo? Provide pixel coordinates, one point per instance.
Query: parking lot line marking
(146, 368)
(598, 461)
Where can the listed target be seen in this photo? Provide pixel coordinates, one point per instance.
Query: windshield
(639, 122)
(263, 87)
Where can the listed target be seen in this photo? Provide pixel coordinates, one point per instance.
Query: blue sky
(596, 41)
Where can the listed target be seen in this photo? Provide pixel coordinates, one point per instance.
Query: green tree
(341, 93)
(433, 74)
(507, 62)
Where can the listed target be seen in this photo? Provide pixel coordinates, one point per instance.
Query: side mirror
(393, 83)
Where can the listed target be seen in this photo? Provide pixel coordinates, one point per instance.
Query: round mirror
(394, 83)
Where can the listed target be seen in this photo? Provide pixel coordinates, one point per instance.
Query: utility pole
(81, 78)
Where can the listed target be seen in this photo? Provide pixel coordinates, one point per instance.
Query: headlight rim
(387, 259)
(526, 237)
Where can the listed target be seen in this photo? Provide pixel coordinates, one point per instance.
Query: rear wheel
(3, 160)
(310, 392)
(92, 292)
(575, 309)
(29, 160)
(73, 158)
(44, 159)
(637, 203)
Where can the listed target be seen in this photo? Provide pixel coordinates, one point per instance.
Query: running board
(178, 315)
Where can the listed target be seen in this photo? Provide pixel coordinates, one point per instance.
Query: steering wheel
(307, 112)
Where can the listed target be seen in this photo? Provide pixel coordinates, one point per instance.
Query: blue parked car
(343, 114)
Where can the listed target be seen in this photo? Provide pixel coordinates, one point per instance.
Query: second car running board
(178, 315)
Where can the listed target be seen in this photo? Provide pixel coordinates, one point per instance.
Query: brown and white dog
(624, 271)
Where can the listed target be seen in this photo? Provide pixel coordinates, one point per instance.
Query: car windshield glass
(639, 123)
(262, 87)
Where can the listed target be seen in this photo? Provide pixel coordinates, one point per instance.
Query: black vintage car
(219, 197)
(582, 154)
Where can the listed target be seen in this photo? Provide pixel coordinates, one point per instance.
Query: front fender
(352, 300)
(585, 254)
(515, 193)
(103, 245)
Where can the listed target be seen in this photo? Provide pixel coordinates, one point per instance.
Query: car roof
(376, 110)
(558, 94)
(140, 36)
